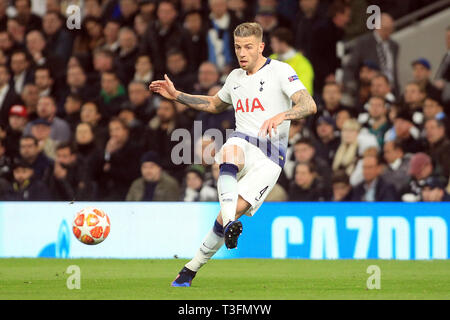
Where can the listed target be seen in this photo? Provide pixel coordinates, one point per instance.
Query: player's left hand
(270, 124)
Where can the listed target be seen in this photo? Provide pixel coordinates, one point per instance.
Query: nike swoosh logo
(234, 88)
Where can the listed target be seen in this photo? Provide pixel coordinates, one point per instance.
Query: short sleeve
(289, 80)
(224, 92)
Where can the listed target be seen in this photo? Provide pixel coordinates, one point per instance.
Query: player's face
(248, 50)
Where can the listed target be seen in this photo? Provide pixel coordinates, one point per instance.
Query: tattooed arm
(304, 106)
(201, 103)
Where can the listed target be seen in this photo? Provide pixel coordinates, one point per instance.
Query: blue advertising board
(278, 230)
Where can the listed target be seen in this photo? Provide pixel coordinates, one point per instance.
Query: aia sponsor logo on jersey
(246, 106)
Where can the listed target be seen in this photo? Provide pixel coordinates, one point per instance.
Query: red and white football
(91, 226)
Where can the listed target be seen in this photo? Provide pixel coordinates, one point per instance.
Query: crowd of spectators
(77, 121)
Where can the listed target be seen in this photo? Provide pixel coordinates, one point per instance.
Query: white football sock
(227, 188)
(210, 245)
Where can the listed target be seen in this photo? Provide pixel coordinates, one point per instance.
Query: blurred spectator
(405, 132)
(331, 96)
(222, 23)
(342, 189)
(241, 9)
(208, 77)
(163, 35)
(143, 69)
(127, 114)
(89, 155)
(128, 10)
(323, 49)
(8, 96)
(91, 114)
(36, 44)
(40, 129)
(197, 40)
(267, 17)
(178, 72)
(307, 186)
(31, 20)
(141, 25)
(158, 137)
(77, 83)
(3, 17)
(127, 55)
(147, 9)
(154, 184)
(434, 193)
(304, 152)
(347, 154)
(373, 188)
(196, 189)
(90, 37)
(17, 121)
(103, 61)
(30, 97)
(433, 109)
(414, 97)
(59, 40)
(17, 30)
(421, 171)
(70, 181)
(30, 153)
(22, 73)
(310, 15)
(46, 109)
(5, 167)
(26, 186)
(93, 8)
(72, 109)
(396, 171)
(442, 76)
(112, 94)
(378, 47)
(111, 34)
(381, 87)
(342, 116)
(421, 73)
(121, 162)
(44, 81)
(7, 45)
(282, 44)
(438, 146)
(376, 120)
(367, 72)
(141, 101)
(327, 142)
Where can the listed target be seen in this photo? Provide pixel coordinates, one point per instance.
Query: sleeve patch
(293, 78)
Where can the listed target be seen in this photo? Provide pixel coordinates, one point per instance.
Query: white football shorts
(257, 178)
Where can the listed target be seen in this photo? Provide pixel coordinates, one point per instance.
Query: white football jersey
(260, 96)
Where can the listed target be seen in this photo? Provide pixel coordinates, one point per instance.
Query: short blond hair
(248, 29)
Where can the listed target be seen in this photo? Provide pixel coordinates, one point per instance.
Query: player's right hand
(164, 87)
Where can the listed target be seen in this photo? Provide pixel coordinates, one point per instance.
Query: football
(91, 226)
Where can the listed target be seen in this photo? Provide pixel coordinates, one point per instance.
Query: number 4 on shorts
(261, 193)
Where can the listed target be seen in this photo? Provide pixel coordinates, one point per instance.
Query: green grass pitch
(239, 279)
